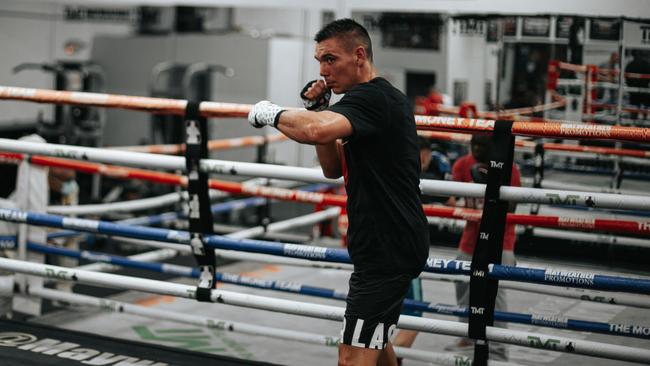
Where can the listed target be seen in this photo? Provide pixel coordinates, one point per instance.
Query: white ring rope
(599, 157)
(238, 327)
(151, 256)
(164, 162)
(554, 184)
(590, 237)
(128, 206)
(445, 188)
(144, 203)
(306, 220)
(509, 336)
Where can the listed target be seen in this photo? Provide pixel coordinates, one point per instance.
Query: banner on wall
(604, 29)
(563, 27)
(469, 27)
(636, 34)
(100, 14)
(536, 27)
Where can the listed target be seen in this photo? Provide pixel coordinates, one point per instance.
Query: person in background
(473, 168)
(35, 186)
(639, 65)
(428, 105)
(608, 72)
(434, 164)
(64, 190)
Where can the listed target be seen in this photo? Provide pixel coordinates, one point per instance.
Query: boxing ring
(130, 162)
(590, 81)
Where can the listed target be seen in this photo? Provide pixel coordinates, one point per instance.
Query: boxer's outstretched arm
(322, 129)
(316, 128)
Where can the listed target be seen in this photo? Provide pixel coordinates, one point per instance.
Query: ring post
(489, 244)
(199, 213)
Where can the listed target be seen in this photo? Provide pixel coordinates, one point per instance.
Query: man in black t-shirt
(369, 137)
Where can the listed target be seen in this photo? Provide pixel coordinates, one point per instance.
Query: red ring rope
(632, 227)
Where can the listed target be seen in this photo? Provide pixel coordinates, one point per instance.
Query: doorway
(529, 71)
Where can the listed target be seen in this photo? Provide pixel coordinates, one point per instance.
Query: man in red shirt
(473, 168)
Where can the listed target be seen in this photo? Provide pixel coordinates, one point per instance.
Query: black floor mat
(28, 344)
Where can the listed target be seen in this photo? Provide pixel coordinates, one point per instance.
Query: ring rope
(340, 200)
(445, 188)
(567, 167)
(215, 109)
(151, 256)
(583, 68)
(509, 336)
(574, 293)
(130, 206)
(218, 208)
(552, 184)
(436, 265)
(503, 114)
(457, 225)
(583, 223)
(580, 294)
(171, 216)
(251, 329)
(608, 85)
(629, 330)
(537, 129)
(244, 256)
(548, 146)
(223, 144)
(163, 162)
(624, 109)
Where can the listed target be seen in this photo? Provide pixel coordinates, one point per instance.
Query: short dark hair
(481, 139)
(350, 29)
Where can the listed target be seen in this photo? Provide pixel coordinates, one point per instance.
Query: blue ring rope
(635, 331)
(171, 216)
(549, 276)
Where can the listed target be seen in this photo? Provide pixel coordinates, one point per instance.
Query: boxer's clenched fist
(316, 95)
(264, 113)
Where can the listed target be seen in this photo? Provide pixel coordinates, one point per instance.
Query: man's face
(480, 147)
(338, 64)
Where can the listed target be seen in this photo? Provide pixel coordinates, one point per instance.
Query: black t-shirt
(387, 230)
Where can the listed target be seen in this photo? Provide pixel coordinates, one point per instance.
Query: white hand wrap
(264, 113)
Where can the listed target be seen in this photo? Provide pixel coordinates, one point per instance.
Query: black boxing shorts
(373, 307)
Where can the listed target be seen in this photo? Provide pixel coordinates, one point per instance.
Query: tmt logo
(549, 343)
(478, 273)
(54, 273)
(556, 199)
(462, 361)
(479, 311)
(495, 164)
